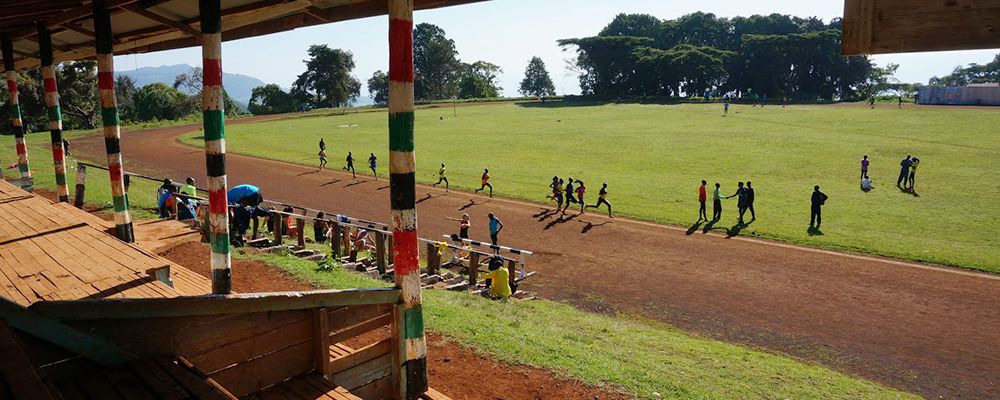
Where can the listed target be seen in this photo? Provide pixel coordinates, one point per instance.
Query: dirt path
(930, 330)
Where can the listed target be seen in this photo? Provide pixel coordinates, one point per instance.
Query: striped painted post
(55, 114)
(15, 114)
(109, 116)
(213, 113)
(412, 349)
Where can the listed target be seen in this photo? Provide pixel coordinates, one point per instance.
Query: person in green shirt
(189, 188)
(717, 203)
(442, 178)
(498, 280)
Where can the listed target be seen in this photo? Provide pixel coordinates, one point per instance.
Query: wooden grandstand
(86, 316)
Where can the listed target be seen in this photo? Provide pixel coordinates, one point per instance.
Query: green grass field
(640, 357)
(653, 157)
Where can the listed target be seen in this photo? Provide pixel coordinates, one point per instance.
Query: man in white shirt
(866, 183)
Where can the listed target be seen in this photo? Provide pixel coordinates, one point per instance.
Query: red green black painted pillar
(15, 115)
(213, 113)
(411, 352)
(109, 116)
(54, 112)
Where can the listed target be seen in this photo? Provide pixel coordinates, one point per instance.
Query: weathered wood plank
(364, 373)
(250, 376)
(361, 355)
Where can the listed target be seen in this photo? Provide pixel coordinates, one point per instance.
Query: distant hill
(238, 86)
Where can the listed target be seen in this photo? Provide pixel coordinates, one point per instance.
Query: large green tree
(972, 73)
(270, 99)
(480, 80)
(378, 87)
(776, 55)
(125, 93)
(435, 62)
(191, 83)
(537, 82)
(327, 81)
(157, 101)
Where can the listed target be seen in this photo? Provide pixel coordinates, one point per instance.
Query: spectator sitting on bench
(291, 229)
(321, 228)
(497, 280)
(362, 241)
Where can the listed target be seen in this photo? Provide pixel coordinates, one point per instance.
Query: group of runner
(349, 166)
(572, 191)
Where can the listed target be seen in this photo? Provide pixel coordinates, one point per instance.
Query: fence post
(81, 185)
(335, 240)
(15, 116)
(380, 252)
(473, 269)
(433, 259)
(511, 271)
(279, 225)
(301, 225)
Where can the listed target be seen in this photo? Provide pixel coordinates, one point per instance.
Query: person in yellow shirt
(189, 188)
(497, 280)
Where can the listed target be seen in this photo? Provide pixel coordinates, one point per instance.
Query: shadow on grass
(560, 104)
(814, 231)
(708, 227)
(736, 229)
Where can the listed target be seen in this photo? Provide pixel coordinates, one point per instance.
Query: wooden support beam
(21, 378)
(46, 328)
(322, 324)
(78, 310)
(183, 27)
(79, 29)
(897, 26)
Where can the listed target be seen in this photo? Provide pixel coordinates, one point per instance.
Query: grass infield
(654, 156)
(640, 357)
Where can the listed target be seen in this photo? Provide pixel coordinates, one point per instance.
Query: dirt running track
(933, 331)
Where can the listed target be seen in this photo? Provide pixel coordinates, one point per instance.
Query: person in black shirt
(569, 194)
(741, 201)
(320, 227)
(818, 199)
(749, 202)
(904, 171)
(350, 164)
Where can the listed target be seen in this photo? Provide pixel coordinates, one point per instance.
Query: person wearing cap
(165, 198)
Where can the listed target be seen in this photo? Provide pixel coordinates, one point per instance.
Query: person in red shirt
(702, 197)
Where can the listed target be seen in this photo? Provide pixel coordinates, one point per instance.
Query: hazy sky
(508, 33)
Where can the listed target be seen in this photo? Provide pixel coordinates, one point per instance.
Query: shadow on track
(561, 219)
(591, 225)
(330, 182)
(694, 228)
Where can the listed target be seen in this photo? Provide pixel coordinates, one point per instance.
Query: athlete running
(350, 165)
(602, 198)
(373, 164)
(442, 178)
(486, 182)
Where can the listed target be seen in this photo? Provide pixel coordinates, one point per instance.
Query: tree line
(438, 74)
(639, 55)
(79, 98)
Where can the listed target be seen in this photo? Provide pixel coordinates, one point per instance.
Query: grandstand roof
(151, 25)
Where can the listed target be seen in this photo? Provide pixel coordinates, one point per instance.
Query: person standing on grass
(725, 106)
(322, 145)
(442, 178)
(65, 144)
(900, 102)
(818, 200)
(373, 164)
(913, 171)
(602, 198)
(569, 194)
(717, 203)
(350, 165)
(871, 102)
(904, 171)
(580, 191)
(702, 197)
(741, 200)
(864, 166)
(495, 227)
(749, 201)
(486, 182)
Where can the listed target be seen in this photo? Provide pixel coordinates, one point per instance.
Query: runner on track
(486, 182)
(569, 194)
(322, 158)
(580, 191)
(442, 178)
(350, 165)
(373, 164)
(602, 198)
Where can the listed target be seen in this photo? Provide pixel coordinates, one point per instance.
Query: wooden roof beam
(899, 26)
(183, 27)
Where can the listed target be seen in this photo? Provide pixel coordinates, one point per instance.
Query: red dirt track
(925, 329)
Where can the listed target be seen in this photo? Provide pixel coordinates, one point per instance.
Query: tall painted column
(55, 114)
(15, 114)
(412, 350)
(109, 116)
(213, 113)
